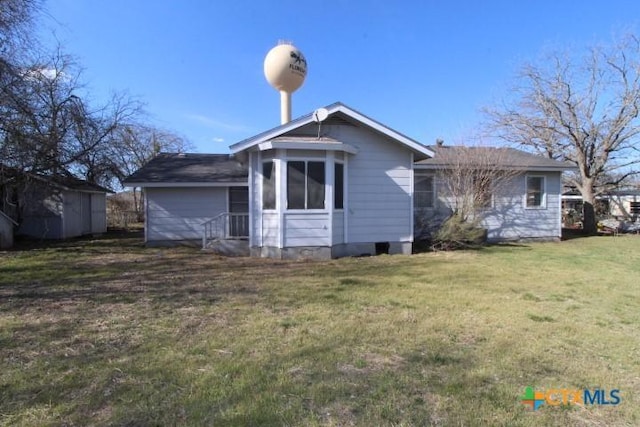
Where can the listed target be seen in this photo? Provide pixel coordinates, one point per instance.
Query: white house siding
(338, 227)
(178, 213)
(306, 229)
(379, 190)
(510, 220)
(620, 205)
(270, 229)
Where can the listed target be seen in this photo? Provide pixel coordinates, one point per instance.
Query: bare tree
(135, 144)
(98, 134)
(583, 112)
(472, 177)
(469, 182)
(16, 24)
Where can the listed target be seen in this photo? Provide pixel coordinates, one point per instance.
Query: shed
(54, 207)
(6, 231)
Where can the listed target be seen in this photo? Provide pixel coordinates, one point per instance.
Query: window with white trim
(268, 185)
(423, 190)
(536, 195)
(305, 184)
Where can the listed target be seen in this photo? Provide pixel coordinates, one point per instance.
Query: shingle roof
(65, 182)
(509, 157)
(190, 168)
(76, 184)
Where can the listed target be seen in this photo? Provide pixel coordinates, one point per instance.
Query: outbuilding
(53, 207)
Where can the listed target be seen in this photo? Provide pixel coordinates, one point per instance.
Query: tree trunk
(589, 224)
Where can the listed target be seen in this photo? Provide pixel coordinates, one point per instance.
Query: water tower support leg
(285, 107)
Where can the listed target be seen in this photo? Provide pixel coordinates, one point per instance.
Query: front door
(239, 212)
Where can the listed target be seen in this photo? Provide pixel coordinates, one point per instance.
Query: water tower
(285, 69)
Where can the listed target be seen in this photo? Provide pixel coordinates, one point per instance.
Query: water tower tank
(285, 68)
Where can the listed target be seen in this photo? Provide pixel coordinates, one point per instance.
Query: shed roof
(189, 168)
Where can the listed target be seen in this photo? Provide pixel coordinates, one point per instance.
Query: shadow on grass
(114, 238)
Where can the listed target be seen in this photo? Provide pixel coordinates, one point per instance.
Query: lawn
(107, 332)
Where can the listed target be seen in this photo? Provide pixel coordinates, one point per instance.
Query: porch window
(634, 208)
(535, 197)
(268, 185)
(423, 190)
(305, 185)
(338, 188)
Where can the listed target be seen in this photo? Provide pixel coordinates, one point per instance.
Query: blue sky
(423, 68)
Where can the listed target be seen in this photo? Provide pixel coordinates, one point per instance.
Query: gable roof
(510, 157)
(194, 169)
(341, 110)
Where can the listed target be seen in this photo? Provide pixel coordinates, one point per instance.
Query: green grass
(107, 332)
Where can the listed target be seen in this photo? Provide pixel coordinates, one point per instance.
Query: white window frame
(306, 162)
(543, 199)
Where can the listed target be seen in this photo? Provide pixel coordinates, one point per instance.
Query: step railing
(227, 225)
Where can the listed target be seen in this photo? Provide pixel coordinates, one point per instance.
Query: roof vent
(439, 142)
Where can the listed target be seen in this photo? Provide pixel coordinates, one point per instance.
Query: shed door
(85, 212)
(239, 204)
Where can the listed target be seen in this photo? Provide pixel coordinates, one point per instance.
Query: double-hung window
(535, 196)
(305, 184)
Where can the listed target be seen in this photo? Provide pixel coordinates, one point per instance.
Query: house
(183, 191)
(623, 204)
(47, 207)
(527, 206)
(344, 186)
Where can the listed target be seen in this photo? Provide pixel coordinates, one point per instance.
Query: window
(338, 188)
(305, 185)
(268, 185)
(634, 208)
(535, 192)
(423, 191)
(239, 199)
(483, 194)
